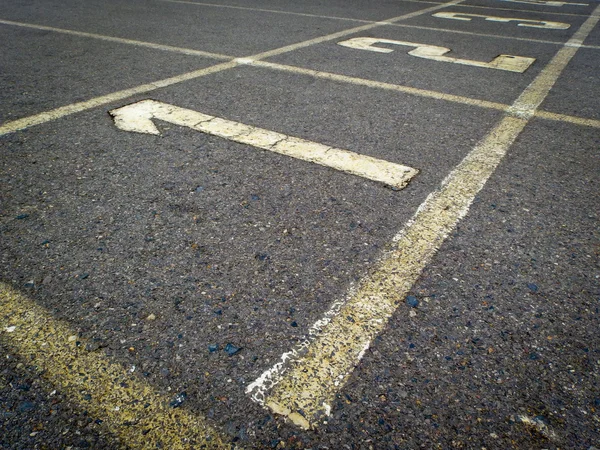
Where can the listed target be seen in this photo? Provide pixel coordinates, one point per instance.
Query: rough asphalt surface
(200, 261)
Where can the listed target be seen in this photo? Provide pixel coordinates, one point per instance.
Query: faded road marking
(594, 123)
(138, 118)
(128, 406)
(303, 385)
(520, 22)
(545, 3)
(168, 48)
(509, 63)
(47, 116)
(37, 119)
(382, 85)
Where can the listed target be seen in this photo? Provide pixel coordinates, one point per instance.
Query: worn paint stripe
(344, 33)
(594, 123)
(421, 92)
(37, 119)
(381, 85)
(167, 48)
(274, 11)
(546, 12)
(349, 19)
(54, 114)
(303, 385)
(128, 406)
(490, 35)
(138, 117)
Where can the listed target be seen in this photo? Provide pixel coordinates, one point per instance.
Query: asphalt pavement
(299, 225)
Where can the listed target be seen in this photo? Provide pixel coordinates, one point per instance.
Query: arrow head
(136, 117)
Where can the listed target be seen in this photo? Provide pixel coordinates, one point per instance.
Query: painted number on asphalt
(502, 62)
(521, 22)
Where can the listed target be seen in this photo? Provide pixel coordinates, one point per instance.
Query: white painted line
(491, 35)
(37, 119)
(382, 85)
(302, 386)
(168, 48)
(340, 34)
(521, 22)
(508, 63)
(594, 123)
(274, 11)
(545, 3)
(137, 117)
(63, 111)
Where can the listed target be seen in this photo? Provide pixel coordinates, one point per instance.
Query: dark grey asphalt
(225, 243)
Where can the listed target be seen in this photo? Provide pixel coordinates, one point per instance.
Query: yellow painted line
(594, 123)
(422, 93)
(303, 385)
(128, 406)
(382, 85)
(546, 3)
(168, 48)
(138, 117)
(47, 116)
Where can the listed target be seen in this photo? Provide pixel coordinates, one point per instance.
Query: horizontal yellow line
(594, 123)
(54, 114)
(129, 407)
(420, 92)
(381, 85)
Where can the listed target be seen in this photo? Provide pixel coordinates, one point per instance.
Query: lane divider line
(344, 33)
(382, 85)
(63, 111)
(594, 123)
(303, 385)
(167, 48)
(57, 113)
(350, 19)
(201, 53)
(137, 117)
(128, 406)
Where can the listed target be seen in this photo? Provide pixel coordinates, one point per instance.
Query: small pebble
(26, 406)
(412, 301)
(232, 349)
(178, 400)
(151, 317)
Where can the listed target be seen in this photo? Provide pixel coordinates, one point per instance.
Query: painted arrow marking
(138, 117)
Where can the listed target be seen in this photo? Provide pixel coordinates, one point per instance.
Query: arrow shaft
(135, 118)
